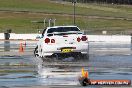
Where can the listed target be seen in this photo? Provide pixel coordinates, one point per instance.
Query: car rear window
(62, 29)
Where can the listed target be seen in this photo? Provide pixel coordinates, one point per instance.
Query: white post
(49, 22)
(44, 22)
(54, 21)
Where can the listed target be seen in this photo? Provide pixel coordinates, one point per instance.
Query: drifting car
(62, 42)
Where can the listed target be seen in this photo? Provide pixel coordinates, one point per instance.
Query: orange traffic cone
(21, 49)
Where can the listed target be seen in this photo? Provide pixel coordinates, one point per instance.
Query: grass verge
(17, 15)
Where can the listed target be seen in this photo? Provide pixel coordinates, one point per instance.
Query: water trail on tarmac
(39, 66)
(42, 71)
(38, 62)
(55, 75)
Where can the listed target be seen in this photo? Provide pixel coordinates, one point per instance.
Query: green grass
(89, 16)
(52, 7)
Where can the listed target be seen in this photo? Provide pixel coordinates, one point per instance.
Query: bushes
(104, 1)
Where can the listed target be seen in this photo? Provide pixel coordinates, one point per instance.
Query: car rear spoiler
(64, 33)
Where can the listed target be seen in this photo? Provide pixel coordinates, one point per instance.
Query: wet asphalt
(106, 61)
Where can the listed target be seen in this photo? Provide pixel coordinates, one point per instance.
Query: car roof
(61, 26)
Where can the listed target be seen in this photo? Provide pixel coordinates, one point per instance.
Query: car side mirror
(38, 37)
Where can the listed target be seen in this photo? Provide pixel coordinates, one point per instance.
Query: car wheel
(36, 52)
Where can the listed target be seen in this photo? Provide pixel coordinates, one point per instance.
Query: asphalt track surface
(106, 61)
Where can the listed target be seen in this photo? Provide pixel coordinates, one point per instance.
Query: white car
(62, 42)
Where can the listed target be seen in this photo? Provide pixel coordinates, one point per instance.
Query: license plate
(66, 50)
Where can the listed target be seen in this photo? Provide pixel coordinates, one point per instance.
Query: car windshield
(62, 29)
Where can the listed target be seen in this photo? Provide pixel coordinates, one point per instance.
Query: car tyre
(36, 52)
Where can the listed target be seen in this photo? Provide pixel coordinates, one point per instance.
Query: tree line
(129, 2)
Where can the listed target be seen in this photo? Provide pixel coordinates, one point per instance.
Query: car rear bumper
(51, 49)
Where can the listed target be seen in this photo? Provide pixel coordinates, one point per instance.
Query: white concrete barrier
(91, 38)
(2, 36)
(109, 38)
(23, 36)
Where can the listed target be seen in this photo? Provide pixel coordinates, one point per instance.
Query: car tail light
(78, 39)
(52, 40)
(84, 38)
(47, 40)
